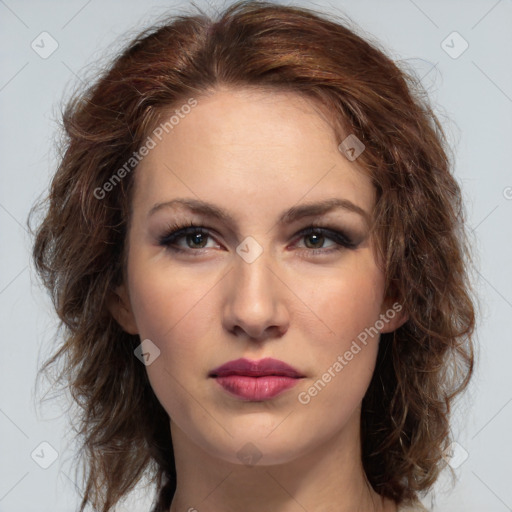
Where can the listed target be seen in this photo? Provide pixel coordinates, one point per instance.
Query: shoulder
(415, 506)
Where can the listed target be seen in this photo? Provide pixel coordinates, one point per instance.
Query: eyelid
(178, 231)
(340, 237)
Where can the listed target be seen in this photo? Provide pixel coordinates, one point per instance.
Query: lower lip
(256, 388)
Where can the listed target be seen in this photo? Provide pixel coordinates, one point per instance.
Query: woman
(256, 246)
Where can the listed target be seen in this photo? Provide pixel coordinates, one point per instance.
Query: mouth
(256, 380)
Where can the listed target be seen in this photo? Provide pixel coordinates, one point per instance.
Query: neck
(329, 477)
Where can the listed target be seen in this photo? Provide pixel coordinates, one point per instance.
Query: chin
(257, 441)
(250, 451)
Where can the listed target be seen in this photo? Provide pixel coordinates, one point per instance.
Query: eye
(315, 238)
(194, 237)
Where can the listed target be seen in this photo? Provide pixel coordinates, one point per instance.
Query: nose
(255, 306)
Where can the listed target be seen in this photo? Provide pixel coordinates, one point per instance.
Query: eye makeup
(181, 237)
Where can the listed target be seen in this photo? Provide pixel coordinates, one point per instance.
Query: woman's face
(254, 170)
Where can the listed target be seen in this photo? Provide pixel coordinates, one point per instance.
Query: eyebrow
(293, 214)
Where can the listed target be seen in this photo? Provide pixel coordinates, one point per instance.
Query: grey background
(473, 97)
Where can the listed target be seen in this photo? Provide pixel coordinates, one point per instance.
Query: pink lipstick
(256, 380)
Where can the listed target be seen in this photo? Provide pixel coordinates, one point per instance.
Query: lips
(256, 380)
(261, 368)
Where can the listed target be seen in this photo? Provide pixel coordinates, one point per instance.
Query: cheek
(177, 313)
(348, 301)
(164, 297)
(345, 342)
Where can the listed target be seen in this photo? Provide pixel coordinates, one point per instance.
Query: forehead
(246, 146)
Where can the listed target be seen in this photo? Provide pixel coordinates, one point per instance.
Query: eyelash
(177, 231)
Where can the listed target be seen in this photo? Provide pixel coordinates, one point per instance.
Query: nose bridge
(254, 282)
(254, 300)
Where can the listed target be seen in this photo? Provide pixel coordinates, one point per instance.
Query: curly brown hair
(418, 224)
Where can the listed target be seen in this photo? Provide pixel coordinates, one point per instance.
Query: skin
(256, 154)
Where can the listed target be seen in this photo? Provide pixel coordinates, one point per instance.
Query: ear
(121, 309)
(393, 316)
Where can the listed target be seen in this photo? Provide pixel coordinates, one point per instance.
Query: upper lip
(260, 368)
